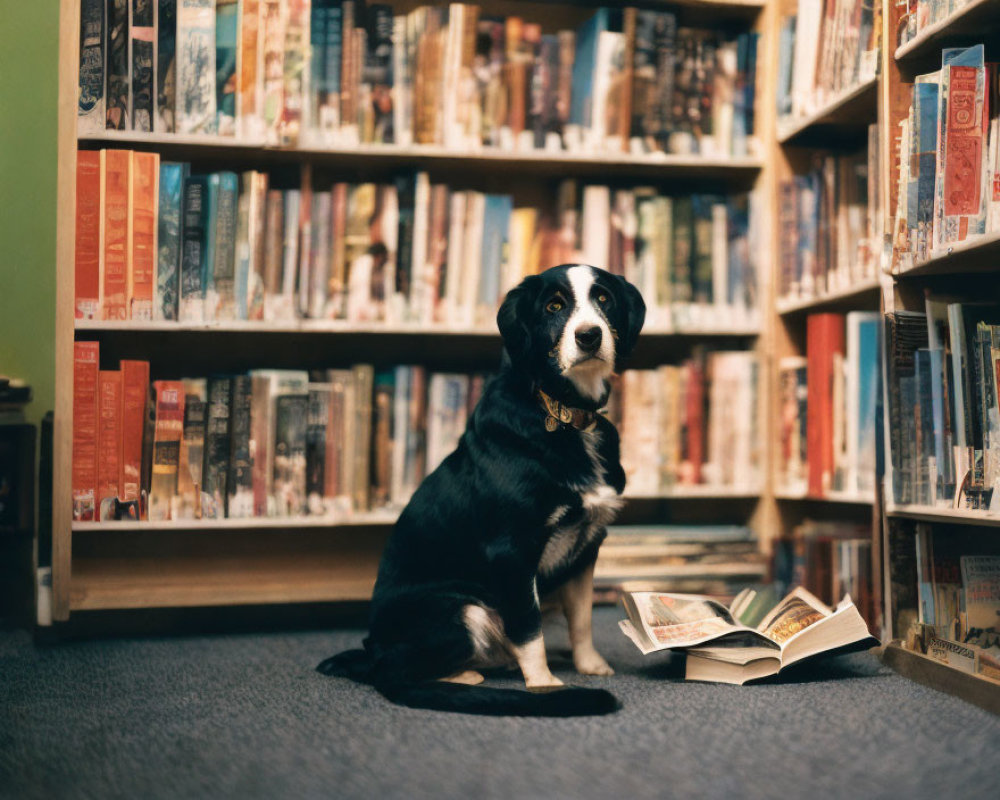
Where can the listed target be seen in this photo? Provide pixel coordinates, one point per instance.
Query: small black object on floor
(249, 716)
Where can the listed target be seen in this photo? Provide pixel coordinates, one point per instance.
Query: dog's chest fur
(571, 528)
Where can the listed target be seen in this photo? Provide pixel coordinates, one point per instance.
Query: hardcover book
(166, 66)
(239, 482)
(196, 67)
(166, 447)
(194, 234)
(215, 470)
(142, 35)
(144, 194)
(135, 392)
(117, 97)
(91, 118)
(169, 240)
(226, 43)
(85, 429)
(89, 232)
(191, 454)
(109, 441)
(115, 186)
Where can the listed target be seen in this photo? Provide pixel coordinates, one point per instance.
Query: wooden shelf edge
(828, 114)
(924, 670)
(842, 498)
(947, 515)
(789, 306)
(926, 39)
(605, 159)
(972, 255)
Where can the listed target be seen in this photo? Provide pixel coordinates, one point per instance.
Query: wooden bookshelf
(843, 498)
(197, 563)
(849, 111)
(863, 294)
(966, 271)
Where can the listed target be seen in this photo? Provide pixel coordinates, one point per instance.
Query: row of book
(949, 158)
(828, 220)
(830, 559)
(828, 407)
(692, 424)
(919, 15)
(328, 73)
(714, 560)
(956, 598)
(825, 49)
(156, 241)
(943, 371)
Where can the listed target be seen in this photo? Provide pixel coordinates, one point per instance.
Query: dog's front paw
(590, 662)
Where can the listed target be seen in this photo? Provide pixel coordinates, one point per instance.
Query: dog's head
(570, 328)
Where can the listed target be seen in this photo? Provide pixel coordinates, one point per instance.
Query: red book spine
(88, 235)
(109, 427)
(963, 147)
(144, 181)
(135, 385)
(824, 338)
(114, 223)
(86, 361)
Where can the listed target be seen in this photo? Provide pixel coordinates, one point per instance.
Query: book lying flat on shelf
(722, 648)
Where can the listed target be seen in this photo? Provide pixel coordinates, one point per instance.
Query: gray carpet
(246, 716)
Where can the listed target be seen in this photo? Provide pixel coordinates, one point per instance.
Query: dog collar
(557, 415)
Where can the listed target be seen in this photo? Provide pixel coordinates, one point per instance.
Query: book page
(792, 615)
(671, 620)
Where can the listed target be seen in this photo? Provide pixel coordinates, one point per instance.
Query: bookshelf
(198, 563)
(963, 271)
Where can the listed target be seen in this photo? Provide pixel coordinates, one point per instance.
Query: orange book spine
(144, 179)
(88, 235)
(114, 223)
(135, 385)
(109, 422)
(86, 363)
(824, 338)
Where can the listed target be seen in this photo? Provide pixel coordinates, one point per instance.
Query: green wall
(29, 53)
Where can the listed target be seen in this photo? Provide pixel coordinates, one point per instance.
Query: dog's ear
(633, 315)
(514, 318)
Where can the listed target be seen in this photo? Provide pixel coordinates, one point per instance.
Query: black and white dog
(517, 512)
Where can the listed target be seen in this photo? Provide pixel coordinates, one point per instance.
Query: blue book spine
(318, 16)
(584, 62)
(193, 244)
(168, 256)
(869, 364)
(926, 121)
(496, 224)
(226, 40)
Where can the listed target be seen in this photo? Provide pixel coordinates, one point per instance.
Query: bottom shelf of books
(944, 607)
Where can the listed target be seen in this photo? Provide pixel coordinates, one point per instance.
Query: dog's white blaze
(556, 515)
(589, 377)
(602, 504)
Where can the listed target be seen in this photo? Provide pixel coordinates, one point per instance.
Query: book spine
(256, 246)
(142, 36)
(109, 442)
(261, 428)
(118, 82)
(115, 179)
(215, 468)
(317, 419)
(290, 413)
(224, 262)
(87, 269)
(295, 70)
(144, 194)
(273, 21)
(191, 454)
(135, 392)
(168, 238)
(166, 66)
(193, 245)
(166, 447)
(86, 365)
(196, 67)
(227, 34)
(824, 341)
(91, 116)
(362, 432)
(239, 482)
(248, 66)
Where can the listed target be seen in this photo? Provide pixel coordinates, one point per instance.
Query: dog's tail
(571, 701)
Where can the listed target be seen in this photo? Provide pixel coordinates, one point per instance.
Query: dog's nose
(588, 339)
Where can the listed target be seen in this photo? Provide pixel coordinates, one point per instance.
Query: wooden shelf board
(929, 672)
(843, 498)
(332, 327)
(971, 20)
(725, 168)
(120, 583)
(698, 493)
(386, 517)
(854, 108)
(977, 254)
(946, 515)
(863, 290)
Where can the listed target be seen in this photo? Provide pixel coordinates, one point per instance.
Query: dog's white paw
(469, 678)
(590, 662)
(542, 682)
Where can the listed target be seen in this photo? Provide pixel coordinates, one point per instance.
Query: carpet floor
(247, 716)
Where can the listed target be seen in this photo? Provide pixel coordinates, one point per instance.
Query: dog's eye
(602, 299)
(554, 306)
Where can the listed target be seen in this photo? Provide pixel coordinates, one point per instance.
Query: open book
(723, 649)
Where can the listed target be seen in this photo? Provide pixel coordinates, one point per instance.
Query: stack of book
(827, 219)
(826, 49)
(949, 158)
(156, 241)
(957, 599)
(715, 560)
(691, 425)
(828, 408)
(332, 73)
(943, 370)
(921, 14)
